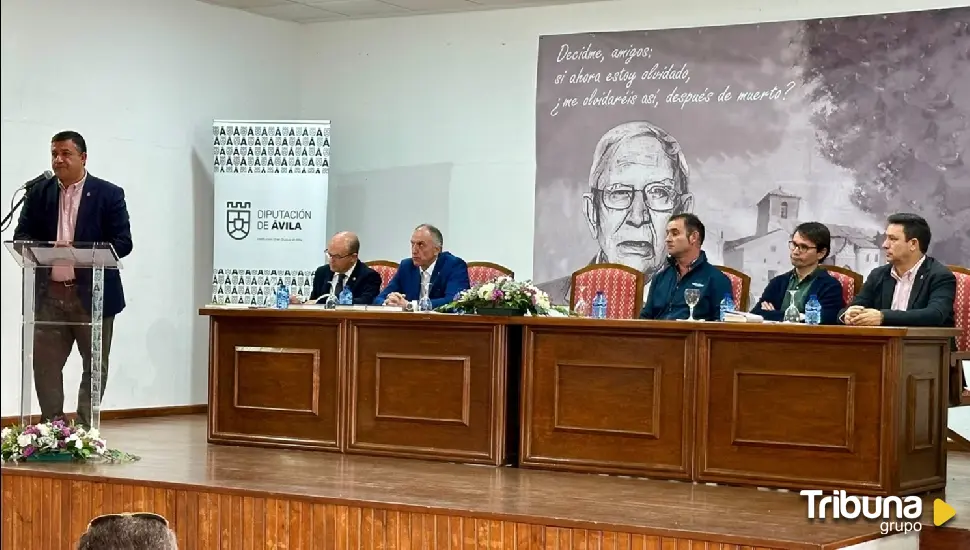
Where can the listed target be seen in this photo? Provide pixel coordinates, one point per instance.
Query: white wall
(142, 81)
(434, 118)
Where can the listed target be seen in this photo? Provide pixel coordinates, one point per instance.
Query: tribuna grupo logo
(894, 514)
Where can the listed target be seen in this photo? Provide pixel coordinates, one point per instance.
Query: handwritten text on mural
(636, 82)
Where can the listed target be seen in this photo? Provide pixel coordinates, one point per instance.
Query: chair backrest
(850, 280)
(740, 286)
(482, 272)
(961, 306)
(386, 268)
(623, 286)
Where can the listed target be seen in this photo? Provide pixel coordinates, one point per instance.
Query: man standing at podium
(72, 207)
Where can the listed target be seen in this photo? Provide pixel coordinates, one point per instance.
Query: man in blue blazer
(72, 207)
(809, 245)
(440, 275)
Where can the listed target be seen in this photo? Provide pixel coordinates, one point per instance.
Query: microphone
(26, 187)
(43, 177)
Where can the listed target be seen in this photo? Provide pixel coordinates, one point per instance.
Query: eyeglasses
(792, 245)
(337, 256)
(659, 196)
(140, 515)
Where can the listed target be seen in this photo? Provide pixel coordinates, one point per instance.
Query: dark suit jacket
(930, 302)
(825, 287)
(364, 282)
(450, 276)
(102, 216)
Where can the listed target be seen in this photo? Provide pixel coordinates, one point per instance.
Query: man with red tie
(72, 207)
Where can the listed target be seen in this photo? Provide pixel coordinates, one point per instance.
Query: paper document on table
(742, 317)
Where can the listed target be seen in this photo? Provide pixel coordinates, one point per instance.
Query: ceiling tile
(433, 5)
(358, 8)
(247, 4)
(290, 12)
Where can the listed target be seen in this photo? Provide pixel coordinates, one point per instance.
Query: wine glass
(791, 314)
(580, 307)
(692, 296)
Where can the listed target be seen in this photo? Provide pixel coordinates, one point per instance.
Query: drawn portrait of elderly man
(637, 181)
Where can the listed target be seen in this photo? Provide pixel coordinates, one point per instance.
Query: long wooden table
(789, 406)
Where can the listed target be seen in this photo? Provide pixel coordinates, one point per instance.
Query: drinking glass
(692, 296)
(791, 314)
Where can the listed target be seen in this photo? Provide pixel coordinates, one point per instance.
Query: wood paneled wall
(43, 513)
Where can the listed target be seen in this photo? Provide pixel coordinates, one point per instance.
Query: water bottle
(727, 304)
(346, 297)
(599, 305)
(813, 311)
(282, 296)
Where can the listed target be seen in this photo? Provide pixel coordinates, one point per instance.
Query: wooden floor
(239, 497)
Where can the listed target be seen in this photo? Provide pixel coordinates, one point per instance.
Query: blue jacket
(102, 217)
(450, 276)
(666, 297)
(825, 287)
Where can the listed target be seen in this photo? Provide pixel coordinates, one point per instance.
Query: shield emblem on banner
(238, 217)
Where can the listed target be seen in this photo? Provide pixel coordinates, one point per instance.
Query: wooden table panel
(607, 400)
(276, 382)
(791, 413)
(427, 389)
(921, 425)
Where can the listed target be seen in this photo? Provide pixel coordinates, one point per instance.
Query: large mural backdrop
(754, 128)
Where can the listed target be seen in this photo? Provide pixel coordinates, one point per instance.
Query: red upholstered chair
(850, 280)
(961, 311)
(386, 268)
(740, 286)
(482, 272)
(623, 286)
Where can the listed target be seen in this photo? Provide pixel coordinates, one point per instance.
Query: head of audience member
(907, 240)
(141, 531)
(809, 245)
(69, 154)
(426, 243)
(685, 236)
(638, 180)
(342, 251)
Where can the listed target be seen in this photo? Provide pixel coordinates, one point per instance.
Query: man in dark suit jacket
(809, 246)
(913, 289)
(441, 275)
(344, 269)
(73, 207)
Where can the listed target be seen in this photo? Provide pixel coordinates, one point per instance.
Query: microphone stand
(9, 217)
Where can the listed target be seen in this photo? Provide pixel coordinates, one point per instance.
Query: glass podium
(63, 299)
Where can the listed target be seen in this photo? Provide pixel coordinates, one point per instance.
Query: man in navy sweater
(809, 245)
(686, 267)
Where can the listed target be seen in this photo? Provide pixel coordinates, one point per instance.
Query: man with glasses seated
(809, 245)
(345, 270)
(137, 531)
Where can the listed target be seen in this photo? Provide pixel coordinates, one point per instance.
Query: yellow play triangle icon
(942, 512)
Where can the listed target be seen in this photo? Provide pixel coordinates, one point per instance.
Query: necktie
(425, 283)
(340, 285)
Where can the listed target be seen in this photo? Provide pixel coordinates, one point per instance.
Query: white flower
(486, 291)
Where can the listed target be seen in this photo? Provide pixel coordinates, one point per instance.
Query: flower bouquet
(504, 296)
(56, 441)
